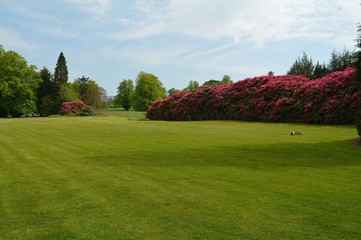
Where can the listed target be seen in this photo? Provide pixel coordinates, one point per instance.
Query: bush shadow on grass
(321, 155)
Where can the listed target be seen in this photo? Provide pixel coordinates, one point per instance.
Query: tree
(320, 70)
(81, 85)
(46, 94)
(192, 86)
(226, 80)
(212, 83)
(125, 94)
(67, 93)
(18, 84)
(340, 61)
(61, 71)
(172, 91)
(89, 92)
(302, 66)
(92, 96)
(148, 89)
(60, 78)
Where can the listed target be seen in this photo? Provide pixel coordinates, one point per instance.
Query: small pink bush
(71, 108)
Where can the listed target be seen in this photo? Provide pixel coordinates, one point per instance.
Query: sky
(176, 40)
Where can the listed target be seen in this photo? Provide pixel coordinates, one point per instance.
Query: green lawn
(110, 177)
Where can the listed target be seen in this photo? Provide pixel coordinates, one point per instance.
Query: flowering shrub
(71, 108)
(331, 100)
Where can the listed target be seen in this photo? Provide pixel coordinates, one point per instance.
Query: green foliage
(18, 83)
(212, 83)
(60, 78)
(302, 66)
(47, 92)
(90, 92)
(125, 94)
(148, 89)
(320, 70)
(82, 85)
(87, 111)
(340, 61)
(61, 71)
(47, 106)
(226, 80)
(192, 86)
(95, 95)
(67, 93)
(172, 91)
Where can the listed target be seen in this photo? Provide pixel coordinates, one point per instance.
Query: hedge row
(329, 100)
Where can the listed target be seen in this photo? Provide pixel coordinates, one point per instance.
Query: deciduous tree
(192, 86)
(226, 80)
(18, 84)
(148, 89)
(125, 94)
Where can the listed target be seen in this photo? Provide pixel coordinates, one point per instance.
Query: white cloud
(12, 40)
(97, 8)
(258, 22)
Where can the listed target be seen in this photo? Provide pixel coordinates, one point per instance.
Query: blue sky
(177, 40)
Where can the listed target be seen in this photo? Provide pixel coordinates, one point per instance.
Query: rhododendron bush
(71, 108)
(330, 100)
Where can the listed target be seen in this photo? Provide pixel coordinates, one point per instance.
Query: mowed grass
(108, 177)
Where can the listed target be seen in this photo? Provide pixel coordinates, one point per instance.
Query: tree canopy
(192, 86)
(339, 61)
(125, 94)
(302, 66)
(18, 83)
(148, 89)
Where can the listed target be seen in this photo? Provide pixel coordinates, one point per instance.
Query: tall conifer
(61, 71)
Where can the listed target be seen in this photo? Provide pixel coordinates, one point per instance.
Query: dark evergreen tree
(340, 61)
(320, 70)
(302, 66)
(46, 94)
(61, 71)
(82, 85)
(60, 78)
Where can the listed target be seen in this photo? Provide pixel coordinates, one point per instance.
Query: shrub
(331, 99)
(71, 108)
(87, 111)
